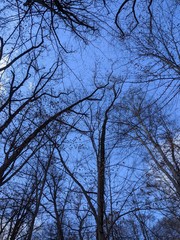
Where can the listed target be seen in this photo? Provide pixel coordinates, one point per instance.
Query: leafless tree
(149, 127)
(98, 131)
(155, 53)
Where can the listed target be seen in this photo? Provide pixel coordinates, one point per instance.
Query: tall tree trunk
(101, 182)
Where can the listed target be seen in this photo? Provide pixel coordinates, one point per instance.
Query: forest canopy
(89, 110)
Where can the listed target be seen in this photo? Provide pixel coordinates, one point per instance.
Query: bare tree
(155, 53)
(146, 124)
(56, 197)
(99, 131)
(17, 205)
